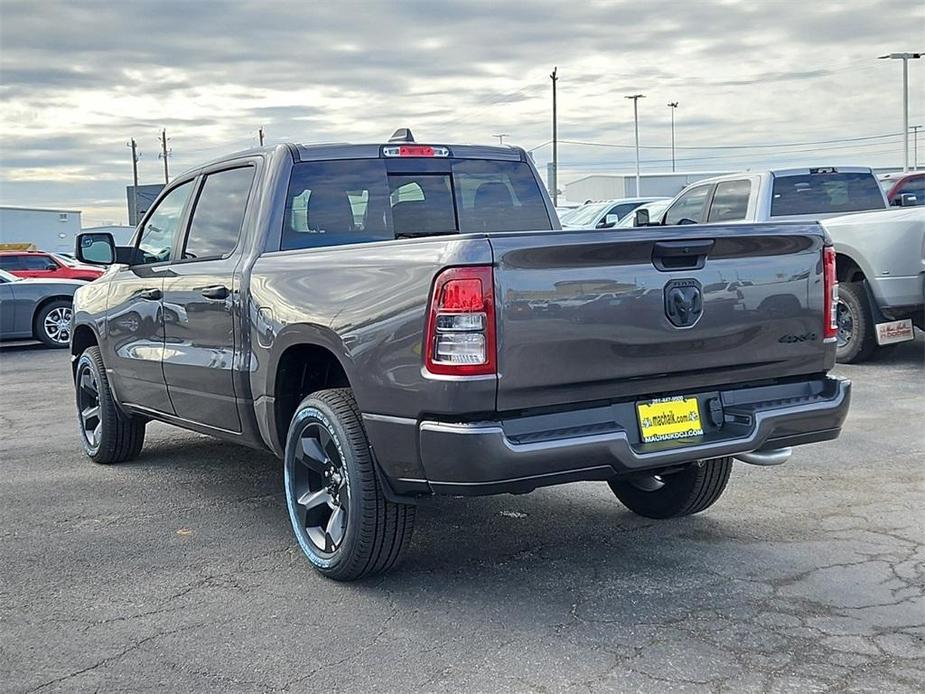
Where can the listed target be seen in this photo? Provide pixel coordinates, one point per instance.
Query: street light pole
(672, 105)
(905, 57)
(260, 135)
(500, 137)
(554, 183)
(636, 98)
(915, 146)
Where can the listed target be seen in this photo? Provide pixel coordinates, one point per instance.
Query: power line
(732, 147)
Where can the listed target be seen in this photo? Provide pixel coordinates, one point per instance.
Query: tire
(52, 324)
(107, 435)
(341, 518)
(856, 339)
(692, 490)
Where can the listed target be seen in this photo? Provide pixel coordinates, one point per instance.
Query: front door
(134, 318)
(200, 304)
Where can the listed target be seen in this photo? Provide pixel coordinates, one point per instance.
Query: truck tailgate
(586, 316)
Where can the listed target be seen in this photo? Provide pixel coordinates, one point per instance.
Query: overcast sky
(79, 79)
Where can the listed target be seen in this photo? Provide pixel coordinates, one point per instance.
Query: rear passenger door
(200, 305)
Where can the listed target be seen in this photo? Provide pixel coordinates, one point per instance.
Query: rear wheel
(53, 324)
(692, 490)
(856, 339)
(108, 435)
(341, 518)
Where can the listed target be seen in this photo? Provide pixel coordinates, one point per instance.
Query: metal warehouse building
(614, 186)
(48, 230)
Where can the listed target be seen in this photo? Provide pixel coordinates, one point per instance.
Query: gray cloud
(79, 79)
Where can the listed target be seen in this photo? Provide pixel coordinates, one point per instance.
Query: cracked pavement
(178, 571)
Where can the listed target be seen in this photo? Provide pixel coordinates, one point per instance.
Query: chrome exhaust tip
(771, 456)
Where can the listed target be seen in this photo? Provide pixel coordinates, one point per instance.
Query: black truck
(398, 320)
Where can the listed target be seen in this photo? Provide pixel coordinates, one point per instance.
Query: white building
(614, 186)
(47, 230)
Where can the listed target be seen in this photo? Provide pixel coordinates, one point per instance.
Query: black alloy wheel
(320, 489)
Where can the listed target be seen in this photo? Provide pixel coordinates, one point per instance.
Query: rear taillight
(830, 330)
(461, 323)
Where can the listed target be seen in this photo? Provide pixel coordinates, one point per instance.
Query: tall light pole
(636, 98)
(554, 182)
(915, 146)
(672, 105)
(905, 57)
(500, 137)
(260, 135)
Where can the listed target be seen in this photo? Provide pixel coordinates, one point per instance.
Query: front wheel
(341, 519)
(107, 434)
(692, 490)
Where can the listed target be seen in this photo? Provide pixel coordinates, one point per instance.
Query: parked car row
(44, 265)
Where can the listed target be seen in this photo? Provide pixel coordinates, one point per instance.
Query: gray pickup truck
(398, 320)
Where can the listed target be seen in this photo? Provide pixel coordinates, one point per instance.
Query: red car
(46, 266)
(912, 185)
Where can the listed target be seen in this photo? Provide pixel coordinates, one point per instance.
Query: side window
(730, 201)
(688, 209)
(161, 228)
(34, 262)
(11, 262)
(219, 213)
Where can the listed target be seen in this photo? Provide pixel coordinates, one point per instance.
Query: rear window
(825, 193)
(356, 201)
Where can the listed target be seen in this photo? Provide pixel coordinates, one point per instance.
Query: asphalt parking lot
(178, 572)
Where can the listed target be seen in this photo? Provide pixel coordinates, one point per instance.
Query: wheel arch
(847, 269)
(82, 337)
(306, 359)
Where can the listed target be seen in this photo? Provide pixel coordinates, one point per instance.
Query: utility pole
(636, 98)
(260, 135)
(905, 57)
(500, 137)
(554, 182)
(672, 105)
(164, 154)
(915, 146)
(133, 217)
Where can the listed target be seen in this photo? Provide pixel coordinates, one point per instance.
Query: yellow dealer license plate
(669, 418)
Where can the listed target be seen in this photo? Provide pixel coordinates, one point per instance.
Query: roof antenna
(402, 135)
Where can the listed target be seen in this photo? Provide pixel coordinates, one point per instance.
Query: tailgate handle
(681, 255)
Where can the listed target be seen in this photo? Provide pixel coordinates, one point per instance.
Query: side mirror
(51, 267)
(95, 248)
(609, 221)
(641, 218)
(907, 200)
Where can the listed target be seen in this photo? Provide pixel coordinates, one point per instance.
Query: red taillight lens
(461, 323)
(830, 329)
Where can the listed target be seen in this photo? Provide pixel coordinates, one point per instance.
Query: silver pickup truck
(880, 261)
(398, 320)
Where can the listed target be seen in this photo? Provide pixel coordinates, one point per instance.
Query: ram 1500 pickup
(397, 320)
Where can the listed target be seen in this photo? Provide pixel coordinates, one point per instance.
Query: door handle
(151, 294)
(217, 292)
(681, 255)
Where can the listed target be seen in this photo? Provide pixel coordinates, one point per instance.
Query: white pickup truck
(880, 265)
(782, 195)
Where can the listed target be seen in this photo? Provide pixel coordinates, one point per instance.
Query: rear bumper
(523, 453)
